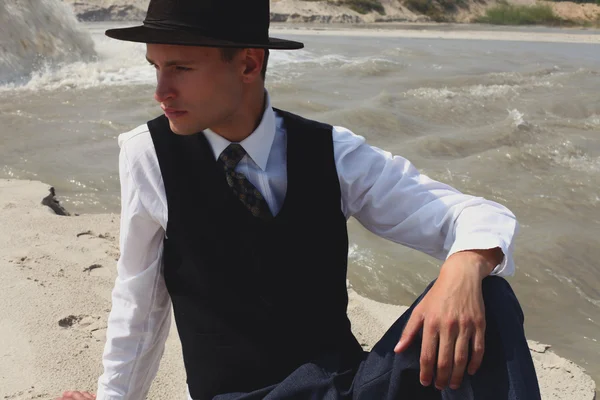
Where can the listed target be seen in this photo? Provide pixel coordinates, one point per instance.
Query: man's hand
(75, 395)
(452, 315)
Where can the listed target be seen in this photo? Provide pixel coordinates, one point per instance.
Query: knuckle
(465, 323)
(478, 350)
(450, 323)
(479, 323)
(444, 365)
(461, 359)
(433, 325)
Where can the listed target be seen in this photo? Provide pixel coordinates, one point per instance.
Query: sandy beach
(58, 273)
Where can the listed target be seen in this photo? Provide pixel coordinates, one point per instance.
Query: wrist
(484, 261)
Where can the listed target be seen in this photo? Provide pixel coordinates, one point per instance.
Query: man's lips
(173, 112)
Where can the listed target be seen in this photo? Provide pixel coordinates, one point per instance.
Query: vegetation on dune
(364, 6)
(437, 10)
(510, 14)
(360, 6)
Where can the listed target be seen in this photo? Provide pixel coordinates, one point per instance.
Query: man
(227, 200)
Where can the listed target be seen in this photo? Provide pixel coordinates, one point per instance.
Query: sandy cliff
(109, 10)
(303, 11)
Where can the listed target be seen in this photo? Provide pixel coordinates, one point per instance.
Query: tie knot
(231, 156)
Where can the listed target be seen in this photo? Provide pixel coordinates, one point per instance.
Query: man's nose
(164, 89)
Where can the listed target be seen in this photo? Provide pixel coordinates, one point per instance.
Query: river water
(516, 122)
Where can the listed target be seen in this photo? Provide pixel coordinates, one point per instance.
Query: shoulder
(139, 156)
(288, 119)
(138, 164)
(344, 139)
(136, 143)
(138, 148)
(344, 136)
(341, 135)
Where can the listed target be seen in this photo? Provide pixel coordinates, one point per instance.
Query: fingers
(412, 328)
(445, 360)
(478, 348)
(461, 356)
(428, 354)
(76, 395)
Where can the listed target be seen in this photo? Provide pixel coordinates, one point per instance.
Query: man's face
(196, 88)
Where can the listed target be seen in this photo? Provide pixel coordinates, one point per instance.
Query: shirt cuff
(484, 242)
(101, 395)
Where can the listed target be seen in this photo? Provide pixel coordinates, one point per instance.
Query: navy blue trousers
(506, 373)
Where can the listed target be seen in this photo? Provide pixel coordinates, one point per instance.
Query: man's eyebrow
(172, 62)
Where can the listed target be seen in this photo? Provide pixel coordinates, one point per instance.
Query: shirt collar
(257, 145)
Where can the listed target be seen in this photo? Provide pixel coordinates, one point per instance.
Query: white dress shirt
(385, 193)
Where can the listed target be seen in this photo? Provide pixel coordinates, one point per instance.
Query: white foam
(592, 122)
(123, 63)
(567, 155)
(514, 87)
(361, 256)
(485, 91)
(432, 93)
(282, 63)
(35, 34)
(117, 63)
(517, 118)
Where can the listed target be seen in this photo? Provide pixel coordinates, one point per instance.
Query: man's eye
(179, 68)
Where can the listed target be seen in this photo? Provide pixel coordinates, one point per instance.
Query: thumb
(412, 328)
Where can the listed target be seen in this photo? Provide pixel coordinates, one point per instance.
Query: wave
(479, 91)
(37, 35)
(122, 63)
(115, 64)
(498, 85)
(565, 154)
(592, 122)
(284, 63)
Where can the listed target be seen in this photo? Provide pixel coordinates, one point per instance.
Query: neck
(245, 119)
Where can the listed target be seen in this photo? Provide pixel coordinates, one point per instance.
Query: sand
(57, 274)
(585, 12)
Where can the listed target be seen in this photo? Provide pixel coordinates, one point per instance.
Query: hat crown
(224, 19)
(212, 23)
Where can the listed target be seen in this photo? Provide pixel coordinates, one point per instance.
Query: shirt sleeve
(140, 318)
(392, 199)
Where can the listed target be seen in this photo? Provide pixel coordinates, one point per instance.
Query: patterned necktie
(240, 185)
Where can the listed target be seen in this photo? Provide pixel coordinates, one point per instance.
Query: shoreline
(61, 270)
(449, 32)
(433, 30)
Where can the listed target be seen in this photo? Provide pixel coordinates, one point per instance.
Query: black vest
(252, 299)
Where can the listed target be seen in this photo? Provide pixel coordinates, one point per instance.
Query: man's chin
(182, 129)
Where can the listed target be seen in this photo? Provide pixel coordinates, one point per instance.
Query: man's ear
(252, 60)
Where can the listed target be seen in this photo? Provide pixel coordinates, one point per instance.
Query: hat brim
(145, 34)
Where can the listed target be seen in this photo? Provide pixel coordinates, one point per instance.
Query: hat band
(237, 36)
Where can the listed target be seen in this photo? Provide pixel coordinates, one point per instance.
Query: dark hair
(228, 53)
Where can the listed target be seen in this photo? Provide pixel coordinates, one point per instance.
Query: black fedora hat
(211, 23)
